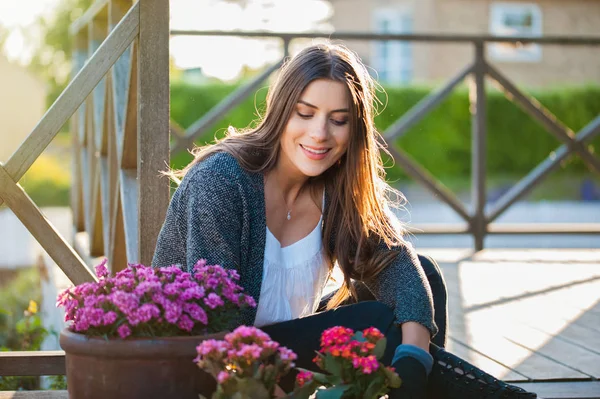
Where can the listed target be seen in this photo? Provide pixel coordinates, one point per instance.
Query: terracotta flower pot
(146, 368)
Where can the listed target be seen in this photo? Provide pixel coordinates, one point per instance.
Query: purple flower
(196, 312)
(147, 287)
(150, 299)
(147, 311)
(101, 270)
(124, 331)
(194, 292)
(109, 318)
(125, 301)
(185, 323)
(172, 311)
(213, 300)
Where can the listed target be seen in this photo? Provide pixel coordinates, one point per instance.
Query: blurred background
(36, 63)
(36, 52)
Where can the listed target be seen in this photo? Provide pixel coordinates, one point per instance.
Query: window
(392, 59)
(516, 19)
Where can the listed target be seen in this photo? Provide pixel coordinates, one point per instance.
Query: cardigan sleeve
(403, 286)
(204, 221)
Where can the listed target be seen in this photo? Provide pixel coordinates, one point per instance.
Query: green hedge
(442, 140)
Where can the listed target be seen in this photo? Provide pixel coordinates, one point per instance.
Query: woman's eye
(338, 122)
(304, 116)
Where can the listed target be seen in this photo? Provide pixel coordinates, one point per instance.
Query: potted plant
(351, 360)
(134, 334)
(247, 364)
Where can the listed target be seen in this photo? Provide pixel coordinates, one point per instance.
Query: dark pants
(303, 335)
(438, 290)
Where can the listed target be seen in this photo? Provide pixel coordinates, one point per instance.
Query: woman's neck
(290, 185)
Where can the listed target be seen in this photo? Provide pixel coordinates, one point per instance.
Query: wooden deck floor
(526, 315)
(531, 317)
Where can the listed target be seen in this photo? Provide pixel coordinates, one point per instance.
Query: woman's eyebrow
(315, 107)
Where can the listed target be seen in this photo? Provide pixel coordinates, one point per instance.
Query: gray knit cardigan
(218, 214)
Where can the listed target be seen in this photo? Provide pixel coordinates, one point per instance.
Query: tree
(52, 59)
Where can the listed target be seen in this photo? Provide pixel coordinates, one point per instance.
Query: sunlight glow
(225, 57)
(511, 306)
(220, 57)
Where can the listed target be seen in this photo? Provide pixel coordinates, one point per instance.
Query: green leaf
(359, 336)
(380, 348)
(374, 388)
(332, 393)
(305, 392)
(321, 378)
(394, 379)
(249, 388)
(333, 380)
(332, 365)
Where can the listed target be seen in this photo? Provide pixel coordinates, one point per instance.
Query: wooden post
(153, 123)
(478, 148)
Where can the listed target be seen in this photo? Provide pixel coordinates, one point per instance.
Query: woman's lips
(315, 153)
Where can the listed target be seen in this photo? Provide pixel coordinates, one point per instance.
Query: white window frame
(399, 67)
(531, 52)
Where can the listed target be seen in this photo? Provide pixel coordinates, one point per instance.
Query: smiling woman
(283, 202)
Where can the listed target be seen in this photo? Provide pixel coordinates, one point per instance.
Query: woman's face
(318, 131)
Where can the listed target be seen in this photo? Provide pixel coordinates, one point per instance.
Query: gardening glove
(413, 365)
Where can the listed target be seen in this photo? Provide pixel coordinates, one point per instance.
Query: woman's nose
(318, 131)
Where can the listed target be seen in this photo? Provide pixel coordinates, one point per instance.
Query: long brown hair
(358, 195)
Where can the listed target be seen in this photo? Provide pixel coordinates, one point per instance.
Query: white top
(293, 278)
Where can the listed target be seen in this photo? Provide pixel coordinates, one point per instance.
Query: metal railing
(478, 222)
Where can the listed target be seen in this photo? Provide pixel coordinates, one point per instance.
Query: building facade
(22, 105)
(530, 65)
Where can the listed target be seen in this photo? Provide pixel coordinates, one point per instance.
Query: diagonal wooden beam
(539, 173)
(545, 117)
(43, 231)
(420, 110)
(421, 175)
(127, 144)
(75, 93)
(218, 111)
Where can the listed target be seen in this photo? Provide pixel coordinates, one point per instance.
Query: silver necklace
(289, 210)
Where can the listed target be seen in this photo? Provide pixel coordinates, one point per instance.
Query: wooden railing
(119, 98)
(478, 222)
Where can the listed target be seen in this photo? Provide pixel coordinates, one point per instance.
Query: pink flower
(336, 335)
(287, 354)
(211, 346)
(369, 364)
(372, 334)
(303, 377)
(222, 377)
(250, 352)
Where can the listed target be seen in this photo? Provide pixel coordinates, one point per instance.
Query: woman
(283, 202)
